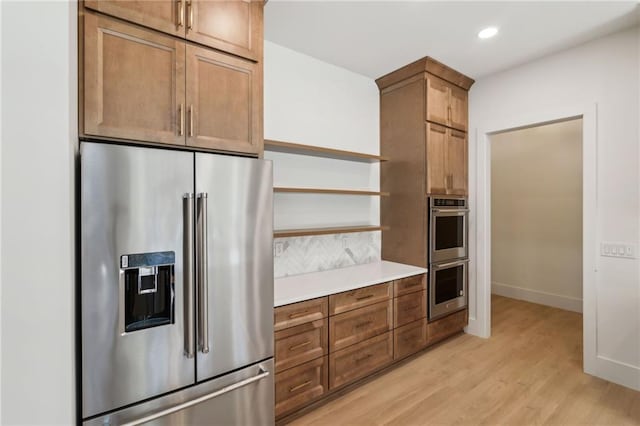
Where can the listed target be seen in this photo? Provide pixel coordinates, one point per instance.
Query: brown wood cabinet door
(300, 344)
(163, 15)
(457, 162)
(133, 85)
(300, 385)
(360, 360)
(437, 100)
(224, 102)
(233, 26)
(459, 109)
(436, 166)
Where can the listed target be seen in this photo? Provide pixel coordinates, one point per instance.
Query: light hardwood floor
(528, 372)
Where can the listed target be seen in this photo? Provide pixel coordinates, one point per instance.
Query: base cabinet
(324, 345)
(360, 360)
(300, 385)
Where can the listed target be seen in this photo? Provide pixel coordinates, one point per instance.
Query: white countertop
(318, 284)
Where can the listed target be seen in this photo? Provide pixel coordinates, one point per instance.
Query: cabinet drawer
(299, 386)
(359, 360)
(409, 308)
(355, 326)
(444, 327)
(299, 344)
(409, 285)
(299, 313)
(409, 339)
(353, 299)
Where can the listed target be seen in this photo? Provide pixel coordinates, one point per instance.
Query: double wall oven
(448, 254)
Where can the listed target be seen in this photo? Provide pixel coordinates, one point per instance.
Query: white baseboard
(617, 372)
(555, 300)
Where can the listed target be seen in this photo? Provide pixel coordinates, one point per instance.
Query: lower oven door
(447, 287)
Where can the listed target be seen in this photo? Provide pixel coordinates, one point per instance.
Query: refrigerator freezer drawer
(244, 397)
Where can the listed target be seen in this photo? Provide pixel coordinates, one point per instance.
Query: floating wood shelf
(326, 231)
(329, 191)
(316, 151)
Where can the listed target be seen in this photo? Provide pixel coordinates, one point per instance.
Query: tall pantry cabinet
(423, 132)
(180, 72)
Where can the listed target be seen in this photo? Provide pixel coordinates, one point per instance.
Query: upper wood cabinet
(446, 103)
(447, 161)
(457, 162)
(224, 102)
(163, 15)
(233, 26)
(138, 84)
(436, 152)
(133, 82)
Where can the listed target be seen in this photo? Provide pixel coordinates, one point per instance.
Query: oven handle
(450, 264)
(450, 210)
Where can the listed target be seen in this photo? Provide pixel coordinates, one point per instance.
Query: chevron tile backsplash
(300, 255)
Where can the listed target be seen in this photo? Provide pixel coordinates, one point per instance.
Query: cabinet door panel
(437, 97)
(355, 326)
(360, 360)
(436, 166)
(457, 162)
(409, 339)
(233, 26)
(300, 385)
(459, 108)
(224, 102)
(162, 15)
(133, 82)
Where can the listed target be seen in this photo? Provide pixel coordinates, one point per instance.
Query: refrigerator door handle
(189, 276)
(202, 265)
(261, 375)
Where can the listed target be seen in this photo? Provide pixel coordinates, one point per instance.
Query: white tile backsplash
(300, 255)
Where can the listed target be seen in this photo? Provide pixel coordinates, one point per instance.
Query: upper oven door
(448, 234)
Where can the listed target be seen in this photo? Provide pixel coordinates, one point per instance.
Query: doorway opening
(536, 214)
(537, 237)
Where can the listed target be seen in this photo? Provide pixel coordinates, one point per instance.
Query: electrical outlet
(623, 250)
(345, 242)
(278, 248)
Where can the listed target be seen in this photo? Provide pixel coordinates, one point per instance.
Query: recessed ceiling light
(488, 32)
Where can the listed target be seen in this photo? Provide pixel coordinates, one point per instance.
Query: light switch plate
(623, 250)
(278, 248)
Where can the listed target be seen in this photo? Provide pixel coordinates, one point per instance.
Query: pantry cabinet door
(162, 15)
(459, 108)
(435, 161)
(437, 100)
(457, 162)
(233, 26)
(133, 86)
(224, 102)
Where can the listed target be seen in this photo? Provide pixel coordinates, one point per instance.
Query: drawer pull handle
(299, 345)
(300, 386)
(412, 307)
(368, 296)
(362, 358)
(413, 283)
(299, 314)
(362, 324)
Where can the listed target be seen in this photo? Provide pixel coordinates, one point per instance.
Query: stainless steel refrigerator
(176, 287)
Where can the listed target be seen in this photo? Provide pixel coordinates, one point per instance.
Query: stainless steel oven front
(448, 228)
(447, 287)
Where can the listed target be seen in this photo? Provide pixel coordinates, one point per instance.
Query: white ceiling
(373, 38)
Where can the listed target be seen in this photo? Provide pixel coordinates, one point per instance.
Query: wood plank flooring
(528, 372)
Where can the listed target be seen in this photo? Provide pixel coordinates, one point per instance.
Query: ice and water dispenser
(148, 290)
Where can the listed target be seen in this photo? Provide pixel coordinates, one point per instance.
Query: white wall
(311, 102)
(536, 214)
(603, 72)
(39, 80)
